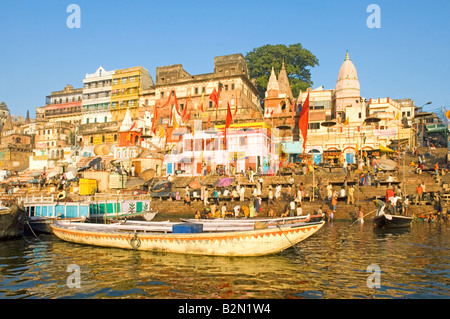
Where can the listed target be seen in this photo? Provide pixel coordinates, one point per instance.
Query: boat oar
(363, 217)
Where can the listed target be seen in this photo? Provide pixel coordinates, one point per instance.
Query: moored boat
(392, 221)
(225, 243)
(12, 221)
(42, 214)
(44, 211)
(138, 209)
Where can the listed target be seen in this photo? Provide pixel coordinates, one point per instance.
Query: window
(226, 87)
(314, 126)
(123, 80)
(210, 104)
(195, 90)
(232, 86)
(106, 119)
(162, 94)
(116, 81)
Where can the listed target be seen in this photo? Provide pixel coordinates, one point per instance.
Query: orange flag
(168, 100)
(155, 115)
(214, 97)
(227, 123)
(303, 121)
(201, 103)
(176, 103)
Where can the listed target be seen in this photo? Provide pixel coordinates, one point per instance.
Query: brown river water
(335, 263)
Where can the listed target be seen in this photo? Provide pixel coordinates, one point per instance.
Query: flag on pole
(185, 107)
(214, 97)
(155, 115)
(447, 114)
(176, 103)
(303, 121)
(175, 123)
(201, 103)
(168, 100)
(227, 123)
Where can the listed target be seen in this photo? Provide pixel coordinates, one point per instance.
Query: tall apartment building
(126, 88)
(96, 103)
(230, 74)
(64, 105)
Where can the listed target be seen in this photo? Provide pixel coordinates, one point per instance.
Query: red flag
(155, 115)
(185, 107)
(176, 103)
(214, 97)
(132, 126)
(235, 109)
(201, 103)
(227, 123)
(168, 100)
(303, 122)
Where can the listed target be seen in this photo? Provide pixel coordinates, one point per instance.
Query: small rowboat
(392, 221)
(225, 243)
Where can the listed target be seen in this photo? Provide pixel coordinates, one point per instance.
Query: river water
(335, 263)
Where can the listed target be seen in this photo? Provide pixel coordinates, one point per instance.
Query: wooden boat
(392, 221)
(42, 214)
(44, 211)
(248, 220)
(138, 209)
(233, 243)
(12, 221)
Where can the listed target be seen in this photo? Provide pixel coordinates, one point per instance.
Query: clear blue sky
(408, 57)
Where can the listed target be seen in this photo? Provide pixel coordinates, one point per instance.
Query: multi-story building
(64, 105)
(341, 123)
(52, 144)
(126, 88)
(192, 92)
(96, 102)
(247, 145)
(16, 146)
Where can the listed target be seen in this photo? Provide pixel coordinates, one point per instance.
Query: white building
(97, 97)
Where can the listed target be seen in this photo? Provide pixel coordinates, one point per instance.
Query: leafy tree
(297, 61)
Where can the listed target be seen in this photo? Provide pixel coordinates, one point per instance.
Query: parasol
(225, 182)
(372, 119)
(195, 184)
(95, 161)
(328, 123)
(148, 174)
(135, 182)
(386, 164)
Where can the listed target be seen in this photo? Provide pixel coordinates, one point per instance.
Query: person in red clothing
(389, 194)
(419, 194)
(436, 168)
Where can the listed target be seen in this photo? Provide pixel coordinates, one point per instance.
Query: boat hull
(234, 243)
(392, 221)
(12, 221)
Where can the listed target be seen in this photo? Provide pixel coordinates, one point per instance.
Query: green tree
(297, 62)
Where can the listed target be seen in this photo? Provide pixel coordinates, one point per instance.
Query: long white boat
(254, 242)
(266, 220)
